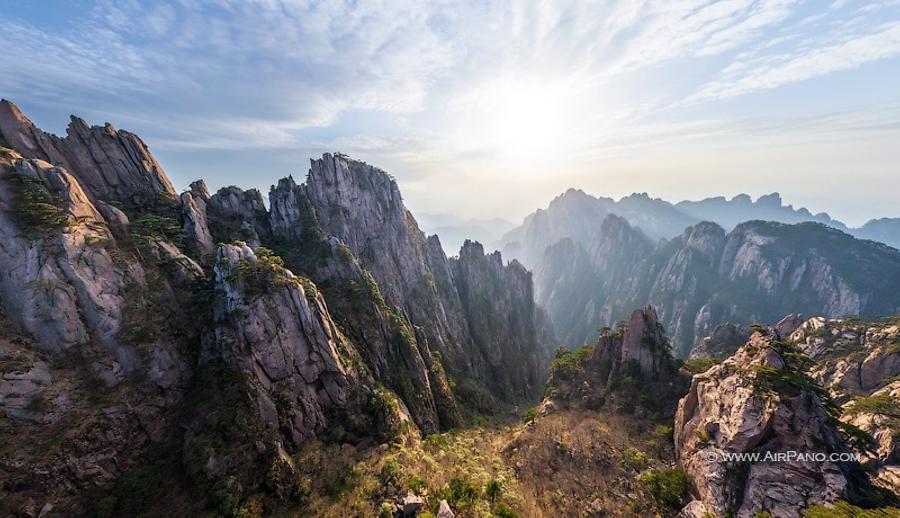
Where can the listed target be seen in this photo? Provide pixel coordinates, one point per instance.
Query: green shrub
(698, 365)
(437, 440)
(841, 509)
(883, 404)
(530, 414)
(568, 364)
(502, 510)
(663, 431)
(154, 226)
(493, 489)
(634, 458)
(262, 276)
(390, 473)
(460, 492)
(669, 488)
(38, 211)
(415, 484)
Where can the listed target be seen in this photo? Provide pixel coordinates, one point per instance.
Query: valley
(315, 353)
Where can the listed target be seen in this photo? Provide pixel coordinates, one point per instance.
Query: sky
(486, 108)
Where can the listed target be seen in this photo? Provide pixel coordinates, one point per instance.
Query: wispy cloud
(523, 88)
(768, 72)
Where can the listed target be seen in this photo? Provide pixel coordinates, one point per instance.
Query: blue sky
(487, 108)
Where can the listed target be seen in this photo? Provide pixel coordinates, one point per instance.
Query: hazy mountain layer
(756, 273)
(576, 215)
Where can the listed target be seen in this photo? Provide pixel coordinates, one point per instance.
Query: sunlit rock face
(758, 401)
(110, 164)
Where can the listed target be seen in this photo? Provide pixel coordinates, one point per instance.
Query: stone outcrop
(86, 369)
(196, 224)
(110, 164)
(757, 401)
(854, 358)
(641, 347)
(725, 339)
(60, 284)
(397, 354)
(505, 325)
(280, 336)
(629, 368)
(233, 213)
(362, 208)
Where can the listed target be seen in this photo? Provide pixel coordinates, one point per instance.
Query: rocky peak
(639, 347)
(760, 401)
(110, 164)
(770, 200)
(617, 246)
(707, 238)
(474, 311)
(726, 338)
(199, 190)
(787, 325)
(505, 324)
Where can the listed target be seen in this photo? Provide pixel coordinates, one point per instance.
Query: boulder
(758, 402)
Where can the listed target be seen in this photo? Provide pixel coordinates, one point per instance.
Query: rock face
(196, 223)
(61, 284)
(397, 353)
(758, 402)
(125, 324)
(723, 341)
(110, 164)
(283, 339)
(858, 362)
(96, 326)
(506, 327)
(641, 346)
(629, 368)
(361, 206)
(758, 272)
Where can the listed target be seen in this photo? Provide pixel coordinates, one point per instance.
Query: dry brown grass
(567, 463)
(573, 463)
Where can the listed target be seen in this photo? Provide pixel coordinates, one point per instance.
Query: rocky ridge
(117, 290)
(753, 402)
(758, 272)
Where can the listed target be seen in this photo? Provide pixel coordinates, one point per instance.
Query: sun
(528, 120)
(519, 120)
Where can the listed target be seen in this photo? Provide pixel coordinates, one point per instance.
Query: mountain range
(136, 318)
(192, 353)
(593, 265)
(576, 214)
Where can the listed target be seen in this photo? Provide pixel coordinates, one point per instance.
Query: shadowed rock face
(758, 272)
(361, 206)
(57, 286)
(508, 330)
(397, 354)
(757, 401)
(641, 346)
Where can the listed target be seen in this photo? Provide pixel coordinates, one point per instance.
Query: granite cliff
(194, 343)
